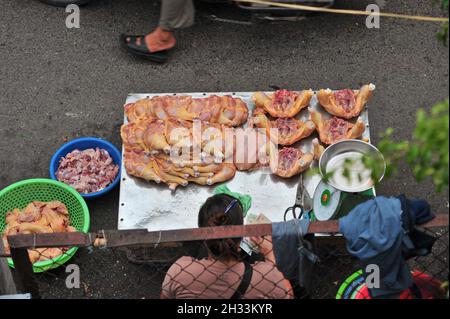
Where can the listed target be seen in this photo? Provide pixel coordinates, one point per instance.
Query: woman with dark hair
(223, 274)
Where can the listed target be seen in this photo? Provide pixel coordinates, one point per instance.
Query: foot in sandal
(154, 46)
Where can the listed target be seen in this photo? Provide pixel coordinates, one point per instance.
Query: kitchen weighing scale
(340, 194)
(331, 203)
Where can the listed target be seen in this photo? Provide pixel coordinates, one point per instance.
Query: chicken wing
(318, 149)
(30, 214)
(288, 130)
(282, 103)
(345, 103)
(224, 110)
(336, 129)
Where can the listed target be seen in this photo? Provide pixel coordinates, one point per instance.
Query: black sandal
(142, 49)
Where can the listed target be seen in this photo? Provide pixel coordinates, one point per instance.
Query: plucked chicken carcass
(252, 149)
(162, 168)
(290, 161)
(154, 135)
(285, 162)
(289, 130)
(224, 110)
(173, 136)
(37, 218)
(336, 129)
(345, 103)
(282, 103)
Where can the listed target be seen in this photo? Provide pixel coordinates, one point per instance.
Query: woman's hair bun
(211, 214)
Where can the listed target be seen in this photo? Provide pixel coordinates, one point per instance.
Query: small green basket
(20, 194)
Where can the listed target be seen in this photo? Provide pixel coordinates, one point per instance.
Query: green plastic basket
(20, 194)
(347, 283)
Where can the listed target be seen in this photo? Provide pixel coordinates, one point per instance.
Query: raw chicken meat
(38, 218)
(174, 136)
(87, 171)
(282, 103)
(288, 130)
(290, 161)
(345, 103)
(336, 129)
(224, 110)
(160, 168)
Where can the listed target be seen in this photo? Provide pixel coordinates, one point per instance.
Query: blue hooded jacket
(375, 233)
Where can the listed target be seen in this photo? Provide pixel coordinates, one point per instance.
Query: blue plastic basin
(81, 144)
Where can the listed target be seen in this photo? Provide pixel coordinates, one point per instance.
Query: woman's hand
(264, 245)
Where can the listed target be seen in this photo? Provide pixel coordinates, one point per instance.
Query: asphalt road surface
(58, 83)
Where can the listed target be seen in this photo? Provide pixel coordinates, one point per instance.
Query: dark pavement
(58, 83)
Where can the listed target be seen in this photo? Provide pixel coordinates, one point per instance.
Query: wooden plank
(120, 238)
(7, 284)
(50, 240)
(329, 227)
(116, 239)
(77, 239)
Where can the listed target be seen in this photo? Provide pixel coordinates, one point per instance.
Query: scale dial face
(326, 201)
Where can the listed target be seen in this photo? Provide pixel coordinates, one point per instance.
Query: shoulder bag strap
(245, 283)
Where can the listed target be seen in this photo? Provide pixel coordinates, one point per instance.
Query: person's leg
(175, 14)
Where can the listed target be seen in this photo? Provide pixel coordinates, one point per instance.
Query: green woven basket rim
(55, 262)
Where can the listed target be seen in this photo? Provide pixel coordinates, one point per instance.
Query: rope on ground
(344, 11)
